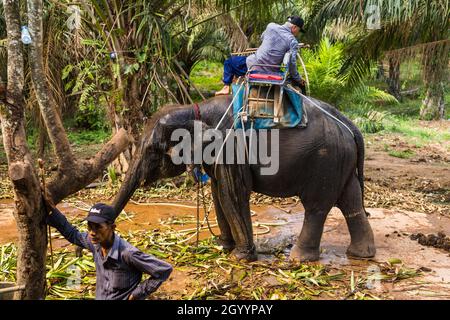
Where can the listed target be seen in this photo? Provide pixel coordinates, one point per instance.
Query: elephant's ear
(191, 125)
(195, 129)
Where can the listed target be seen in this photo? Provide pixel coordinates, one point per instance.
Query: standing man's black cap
(100, 213)
(299, 22)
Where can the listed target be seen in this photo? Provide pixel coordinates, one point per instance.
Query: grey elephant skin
(322, 164)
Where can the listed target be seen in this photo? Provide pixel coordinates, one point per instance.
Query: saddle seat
(257, 77)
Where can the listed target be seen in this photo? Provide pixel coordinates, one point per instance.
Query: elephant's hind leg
(362, 243)
(307, 247)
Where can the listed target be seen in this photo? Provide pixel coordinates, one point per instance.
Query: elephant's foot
(227, 245)
(362, 250)
(299, 254)
(245, 255)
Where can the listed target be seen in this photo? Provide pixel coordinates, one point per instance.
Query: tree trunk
(394, 77)
(72, 174)
(435, 68)
(433, 106)
(132, 100)
(42, 139)
(28, 212)
(380, 71)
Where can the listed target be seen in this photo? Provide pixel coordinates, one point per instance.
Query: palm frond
(415, 23)
(369, 94)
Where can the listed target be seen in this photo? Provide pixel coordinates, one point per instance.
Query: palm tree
(407, 29)
(205, 42)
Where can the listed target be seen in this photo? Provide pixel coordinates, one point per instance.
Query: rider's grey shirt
(119, 274)
(276, 41)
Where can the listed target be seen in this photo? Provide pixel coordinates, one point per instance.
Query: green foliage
(91, 115)
(328, 84)
(111, 175)
(85, 80)
(368, 94)
(207, 75)
(404, 154)
(367, 119)
(408, 29)
(323, 67)
(131, 68)
(204, 43)
(88, 137)
(8, 262)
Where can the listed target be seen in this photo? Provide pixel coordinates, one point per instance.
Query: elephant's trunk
(133, 179)
(137, 172)
(146, 165)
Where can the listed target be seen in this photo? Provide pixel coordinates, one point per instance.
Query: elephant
(321, 163)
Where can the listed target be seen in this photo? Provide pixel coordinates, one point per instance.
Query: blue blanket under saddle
(292, 111)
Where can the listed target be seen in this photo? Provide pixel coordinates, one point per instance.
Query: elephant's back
(322, 155)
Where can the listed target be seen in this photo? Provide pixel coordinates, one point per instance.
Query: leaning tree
(72, 173)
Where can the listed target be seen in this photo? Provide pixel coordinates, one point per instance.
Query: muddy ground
(404, 196)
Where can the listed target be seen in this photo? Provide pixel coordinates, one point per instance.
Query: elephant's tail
(360, 163)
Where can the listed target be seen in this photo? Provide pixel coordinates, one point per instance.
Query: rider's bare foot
(225, 91)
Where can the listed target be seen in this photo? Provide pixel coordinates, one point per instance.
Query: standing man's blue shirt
(119, 273)
(276, 41)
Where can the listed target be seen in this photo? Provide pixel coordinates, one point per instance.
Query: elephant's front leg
(226, 239)
(233, 190)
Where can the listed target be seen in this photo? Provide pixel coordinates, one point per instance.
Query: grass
(81, 140)
(88, 137)
(412, 129)
(404, 154)
(207, 76)
(76, 136)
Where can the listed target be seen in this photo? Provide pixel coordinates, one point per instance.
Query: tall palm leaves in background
(132, 46)
(143, 36)
(328, 83)
(408, 28)
(124, 55)
(204, 43)
(146, 38)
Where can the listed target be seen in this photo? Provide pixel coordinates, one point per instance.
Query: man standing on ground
(119, 265)
(276, 41)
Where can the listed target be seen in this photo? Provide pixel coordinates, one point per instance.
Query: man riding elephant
(276, 41)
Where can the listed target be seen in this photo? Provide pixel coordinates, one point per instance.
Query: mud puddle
(276, 230)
